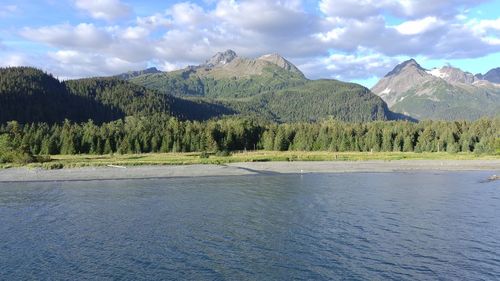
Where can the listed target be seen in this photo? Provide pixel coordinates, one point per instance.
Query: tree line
(161, 133)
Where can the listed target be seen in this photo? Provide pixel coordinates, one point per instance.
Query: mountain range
(268, 87)
(441, 93)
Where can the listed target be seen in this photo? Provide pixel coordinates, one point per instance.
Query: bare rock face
(401, 79)
(221, 58)
(229, 64)
(280, 61)
(439, 93)
(453, 75)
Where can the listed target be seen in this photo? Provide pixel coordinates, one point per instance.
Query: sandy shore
(234, 169)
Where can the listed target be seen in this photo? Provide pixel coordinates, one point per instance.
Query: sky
(357, 41)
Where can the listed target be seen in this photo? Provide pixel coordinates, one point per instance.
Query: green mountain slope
(221, 83)
(269, 87)
(449, 102)
(316, 100)
(30, 95)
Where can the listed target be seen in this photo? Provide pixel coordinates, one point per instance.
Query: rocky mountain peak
(443, 93)
(221, 58)
(280, 61)
(409, 65)
(274, 57)
(453, 75)
(401, 79)
(228, 63)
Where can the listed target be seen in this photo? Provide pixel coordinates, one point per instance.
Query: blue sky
(356, 41)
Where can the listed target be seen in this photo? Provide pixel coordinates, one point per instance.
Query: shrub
(223, 153)
(52, 166)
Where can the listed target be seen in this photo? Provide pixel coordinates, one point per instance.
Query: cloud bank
(340, 39)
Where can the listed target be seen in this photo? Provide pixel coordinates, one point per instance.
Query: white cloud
(135, 32)
(71, 64)
(155, 21)
(490, 24)
(419, 26)
(188, 14)
(349, 8)
(7, 10)
(492, 41)
(459, 41)
(357, 32)
(401, 8)
(440, 35)
(104, 9)
(349, 67)
(423, 8)
(83, 35)
(167, 66)
(196, 34)
(482, 27)
(276, 18)
(14, 60)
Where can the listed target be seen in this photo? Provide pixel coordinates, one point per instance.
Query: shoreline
(242, 169)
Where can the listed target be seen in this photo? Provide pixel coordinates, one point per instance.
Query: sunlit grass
(71, 161)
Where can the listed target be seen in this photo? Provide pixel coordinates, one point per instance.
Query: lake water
(359, 226)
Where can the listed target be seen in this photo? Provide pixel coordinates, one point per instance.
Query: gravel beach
(250, 168)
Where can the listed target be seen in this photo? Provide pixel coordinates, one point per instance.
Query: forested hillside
(134, 100)
(30, 95)
(322, 99)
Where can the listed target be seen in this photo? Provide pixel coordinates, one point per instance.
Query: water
(363, 226)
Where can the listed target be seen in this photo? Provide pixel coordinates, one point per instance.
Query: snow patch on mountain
(385, 92)
(438, 73)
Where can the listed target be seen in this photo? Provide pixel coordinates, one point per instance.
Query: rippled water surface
(399, 226)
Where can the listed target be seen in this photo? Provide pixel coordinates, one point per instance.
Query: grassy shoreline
(75, 161)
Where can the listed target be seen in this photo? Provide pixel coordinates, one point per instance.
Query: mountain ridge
(30, 95)
(258, 85)
(438, 93)
(493, 75)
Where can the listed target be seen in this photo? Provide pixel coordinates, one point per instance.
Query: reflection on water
(400, 226)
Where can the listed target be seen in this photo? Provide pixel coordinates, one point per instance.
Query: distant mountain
(226, 75)
(269, 86)
(132, 74)
(440, 93)
(31, 95)
(221, 58)
(492, 76)
(229, 65)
